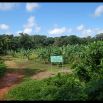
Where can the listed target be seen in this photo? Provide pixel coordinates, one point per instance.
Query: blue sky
(52, 19)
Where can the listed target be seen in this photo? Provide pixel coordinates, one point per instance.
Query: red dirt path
(8, 81)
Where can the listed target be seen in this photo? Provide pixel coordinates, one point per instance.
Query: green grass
(60, 87)
(31, 67)
(38, 65)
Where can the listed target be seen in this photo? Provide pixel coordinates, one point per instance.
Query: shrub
(94, 90)
(90, 65)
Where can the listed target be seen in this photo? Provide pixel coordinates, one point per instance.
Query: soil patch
(47, 74)
(42, 75)
(8, 81)
(11, 64)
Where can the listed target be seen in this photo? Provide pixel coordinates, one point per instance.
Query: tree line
(26, 41)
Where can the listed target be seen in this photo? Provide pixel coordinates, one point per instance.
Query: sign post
(62, 66)
(56, 59)
(51, 66)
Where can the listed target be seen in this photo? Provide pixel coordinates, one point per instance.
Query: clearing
(17, 70)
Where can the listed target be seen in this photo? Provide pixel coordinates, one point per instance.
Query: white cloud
(98, 11)
(85, 31)
(80, 27)
(30, 22)
(7, 6)
(98, 30)
(31, 25)
(59, 31)
(28, 30)
(32, 6)
(20, 31)
(37, 28)
(4, 27)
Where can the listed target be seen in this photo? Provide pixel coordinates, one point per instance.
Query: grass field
(17, 63)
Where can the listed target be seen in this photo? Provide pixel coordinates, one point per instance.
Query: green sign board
(56, 59)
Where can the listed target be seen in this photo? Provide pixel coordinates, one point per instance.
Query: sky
(51, 19)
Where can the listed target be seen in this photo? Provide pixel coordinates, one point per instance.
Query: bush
(91, 62)
(94, 90)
